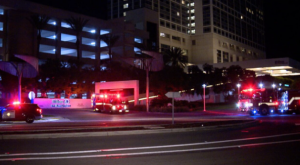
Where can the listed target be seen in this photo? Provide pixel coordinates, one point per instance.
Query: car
(21, 112)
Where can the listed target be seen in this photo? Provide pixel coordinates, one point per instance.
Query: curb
(116, 133)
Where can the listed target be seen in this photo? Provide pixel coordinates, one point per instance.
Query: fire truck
(289, 101)
(109, 101)
(263, 101)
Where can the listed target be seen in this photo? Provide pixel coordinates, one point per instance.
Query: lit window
(193, 11)
(162, 34)
(178, 14)
(124, 14)
(242, 17)
(193, 24)
(88, 41)
(68, 52)
(1, 26)
(183, 2)
(1, 12)
(47, 49)
(102, 44)
(52, 22)
(1, 42)
(65, 25)
(88, 54)
(193, 4)
(68, 38)
(89, 30)
(138, 40)
(125, 6)
(104, 31)
(48, 34)
(193, 31)
(193, 18)
(137, 50)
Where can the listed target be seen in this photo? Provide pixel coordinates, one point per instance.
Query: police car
(21, 112)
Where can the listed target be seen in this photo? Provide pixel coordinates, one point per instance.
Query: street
(275, 140)
(265, 143)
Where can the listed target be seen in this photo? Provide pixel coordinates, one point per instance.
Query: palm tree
(77, 24)
(174, 57)
(39, 22)
(110, 40)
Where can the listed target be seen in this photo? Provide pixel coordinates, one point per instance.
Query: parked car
(21, 112)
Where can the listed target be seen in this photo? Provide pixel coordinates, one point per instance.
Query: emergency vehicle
(21, 112)
(110, 102)
(289, 101)
(262, 101)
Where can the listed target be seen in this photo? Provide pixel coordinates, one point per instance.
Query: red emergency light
(248, 90)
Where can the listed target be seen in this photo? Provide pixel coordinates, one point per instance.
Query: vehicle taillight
(276, 102)
(39, 110)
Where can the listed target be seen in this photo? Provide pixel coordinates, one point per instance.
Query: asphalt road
(265, 143)
(83, 118)
(60, 119)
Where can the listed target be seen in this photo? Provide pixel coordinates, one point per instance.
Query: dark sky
(88, 7)
(281, 23)
(282, 28)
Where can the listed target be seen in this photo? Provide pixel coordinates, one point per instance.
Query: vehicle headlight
(125, 107)
(113, 107)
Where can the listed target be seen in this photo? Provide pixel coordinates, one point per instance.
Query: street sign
(173, 94)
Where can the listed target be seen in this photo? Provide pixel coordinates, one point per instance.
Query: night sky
(281, 23)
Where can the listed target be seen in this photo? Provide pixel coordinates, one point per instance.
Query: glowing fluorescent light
(93, 31)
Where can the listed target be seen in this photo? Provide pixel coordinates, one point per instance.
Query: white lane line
(146, 153)
(143, 148)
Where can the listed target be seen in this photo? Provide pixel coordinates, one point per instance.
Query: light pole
(203, 97)
(238, 86)
(273, 85)
(261, 85)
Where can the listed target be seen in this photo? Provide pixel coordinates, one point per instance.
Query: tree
(174, 57)
(169, 79)
(39, 22)
(77, 24)
(110, 40)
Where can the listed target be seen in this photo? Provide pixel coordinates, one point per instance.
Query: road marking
(147, 147)
(146, 153)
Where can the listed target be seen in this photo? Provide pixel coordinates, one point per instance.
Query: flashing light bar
(16, 102)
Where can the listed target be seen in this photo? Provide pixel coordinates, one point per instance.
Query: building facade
(208, 31)
(19, 36)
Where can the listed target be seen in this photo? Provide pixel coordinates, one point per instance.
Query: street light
(273, 85)
(238, 85)
(204, 96)
(261, 85)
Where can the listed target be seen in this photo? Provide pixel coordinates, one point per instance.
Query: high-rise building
(208, 31)
(19, 36)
